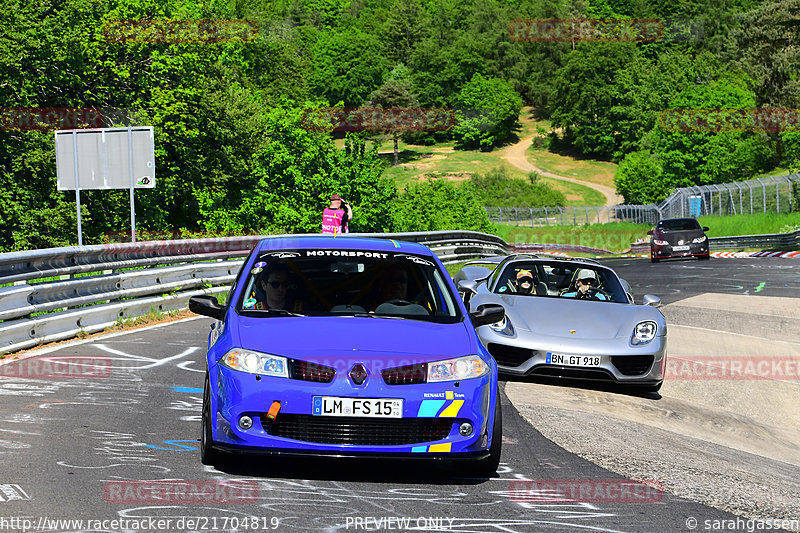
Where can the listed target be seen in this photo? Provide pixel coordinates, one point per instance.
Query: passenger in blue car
(586, 287)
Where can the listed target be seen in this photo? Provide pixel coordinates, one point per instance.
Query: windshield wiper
(275, 312)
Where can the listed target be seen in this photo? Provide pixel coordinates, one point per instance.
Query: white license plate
(680, 248)
(572, 360)
(364, 407)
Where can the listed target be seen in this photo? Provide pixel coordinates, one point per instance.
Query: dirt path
(515, 155)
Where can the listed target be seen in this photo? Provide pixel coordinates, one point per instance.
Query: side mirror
(206, 305)
(468, 285)
(653, 301)
(705, 228)
(650, 232)
(487, 314)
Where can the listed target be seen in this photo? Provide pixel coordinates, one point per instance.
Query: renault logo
(358, 374)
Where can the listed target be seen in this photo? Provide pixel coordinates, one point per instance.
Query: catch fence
(778, 194)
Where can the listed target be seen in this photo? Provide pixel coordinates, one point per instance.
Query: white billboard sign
(107, 158)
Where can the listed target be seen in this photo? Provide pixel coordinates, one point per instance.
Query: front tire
(485, 468)
(653, 258)
(208, 455)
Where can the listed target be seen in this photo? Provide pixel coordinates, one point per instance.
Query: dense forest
(234, 155)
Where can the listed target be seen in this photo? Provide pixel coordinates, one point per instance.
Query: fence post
(777, 195)
(546, 221)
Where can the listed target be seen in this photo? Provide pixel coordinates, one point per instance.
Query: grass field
(442, 160)
(600, 172)
(755, 224)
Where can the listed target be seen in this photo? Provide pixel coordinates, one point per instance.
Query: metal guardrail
(763, 242)
(166, 274)
(771, 241)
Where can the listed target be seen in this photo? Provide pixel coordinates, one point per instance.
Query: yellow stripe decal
(452, 409)
(395, 243)
(439, 447)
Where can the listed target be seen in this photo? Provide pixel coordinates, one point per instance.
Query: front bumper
(346, 454)
(619, 362)
(443, 406)
(668, 251)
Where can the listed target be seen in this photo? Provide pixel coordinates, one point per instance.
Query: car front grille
(406, 375)
(509, 355)
(357, 431)
(570, 372)
(632, 365)
(306, 371)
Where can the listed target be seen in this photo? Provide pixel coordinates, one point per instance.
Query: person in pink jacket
(335, 219)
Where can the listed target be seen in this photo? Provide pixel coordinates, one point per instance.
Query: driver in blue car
(586, 287)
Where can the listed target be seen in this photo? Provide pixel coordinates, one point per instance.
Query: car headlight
(256, 363)
(660, 242)
(644, 332)
(699, 239)
(467, 367)
(504, 327)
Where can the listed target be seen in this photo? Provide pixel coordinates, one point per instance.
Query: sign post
(105, 158)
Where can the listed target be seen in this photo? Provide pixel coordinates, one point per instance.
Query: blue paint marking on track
(175, 443)
(187, 389)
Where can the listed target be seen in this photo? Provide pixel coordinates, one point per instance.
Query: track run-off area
(707, 453)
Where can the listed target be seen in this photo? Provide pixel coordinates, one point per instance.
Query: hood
(557, 317)
(346, 340)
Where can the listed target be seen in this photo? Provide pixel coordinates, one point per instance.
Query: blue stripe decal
(429, 408)
(187, 389)
(419, 449)
(395, 243)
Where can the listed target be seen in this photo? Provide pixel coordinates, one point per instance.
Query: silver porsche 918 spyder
(567, 318)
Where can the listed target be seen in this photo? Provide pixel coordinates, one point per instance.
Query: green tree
(497, 189)
(585, 96)
(347, 67)
(639, 179)
(293, 172)
(438, 204)
(487, 114)
(396, 92)
(766, 43)
(705, 153)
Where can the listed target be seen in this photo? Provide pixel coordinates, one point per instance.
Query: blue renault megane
(349, 347)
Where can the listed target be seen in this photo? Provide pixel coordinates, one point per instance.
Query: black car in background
(678, 237)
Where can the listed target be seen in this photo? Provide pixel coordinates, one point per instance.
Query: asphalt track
(64, 442)
(673, 280)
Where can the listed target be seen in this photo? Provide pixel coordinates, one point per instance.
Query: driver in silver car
(586, 286)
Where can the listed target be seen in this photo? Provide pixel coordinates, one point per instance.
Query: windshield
(347, 283)
(560, 279)
(680, 224)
